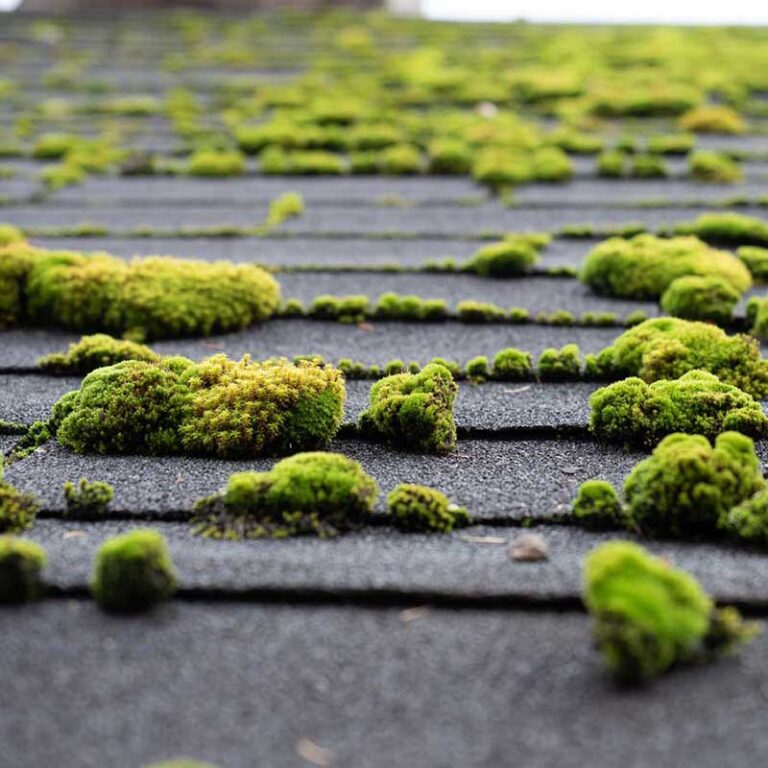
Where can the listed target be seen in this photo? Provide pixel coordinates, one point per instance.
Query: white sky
(659, 11)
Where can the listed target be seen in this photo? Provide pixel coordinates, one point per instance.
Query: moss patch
(418, 508)
(21, 565)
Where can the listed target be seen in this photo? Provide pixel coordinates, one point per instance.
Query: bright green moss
(551, 164)
(288, 206)
(153, 297)
(560, 364)
(687, 484)
(216, 163)
(344, 309)
(756, 261)
(612, 164)
(712, 118)
(276, 161)
(97, 351)
(644, 266)
(748, 521)
(87, 498)
(418, 508)
(507, 258)
(668, 347)
(631, 411)
(218, 407)
(648, 166)
(133, 572)
(21, 564)
(512, 364)
(10, 234)
(671, 144)
(400, 160)
(17, 509)
(471, 311)
(392, 306)
(700, 298)
(477, 369)
(309, 493)
(714, 167)
(54, 146)
(597, 505)
(734, 228)
(650, 616)
(414, 411)
(449, 156)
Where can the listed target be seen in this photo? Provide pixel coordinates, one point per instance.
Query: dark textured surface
(24, 399)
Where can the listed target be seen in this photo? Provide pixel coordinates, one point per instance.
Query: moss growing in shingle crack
(10, 234)
(309, 493)
(414, 411)
(216, 163)
(631, 411)
(54, 146)
(644, 266)
(687, 484)
(87, 498)
(597, 505)
(756, 261)
(507, 258)
(648, 167)
(712, 118)
(21, 565)
(153, 297)
(477, 369)
(218, 407)
(418, 508)
(392, 306)
(700, 298)
(97, 351)
(512, 364)
(471, 311)
(650, 616)
(275, 161)
(714, 167)
(612, 164)
(748, 521)
(17, 510)
(344, 309)
(668, 347)
(449, 156)
(671, 144)
(560, 364)
(400, 160)
(133, 572)
(288, 206)
(736, 228)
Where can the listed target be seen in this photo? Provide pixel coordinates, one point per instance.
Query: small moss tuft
(712, 118)
(597, 505)
(21, 563)
(736, 228)
(756, 261)
(748, 521)
(216, 163)
(87, 498)
(700, 298)
(560, 364)
(512, 364)
(418, 508)
(97, 351)
(17, 510)
(714, 167)
(507, 258)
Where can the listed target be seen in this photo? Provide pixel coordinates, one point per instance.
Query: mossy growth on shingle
(512, 364)
(712, 118)
(650, 616)
(393, 306)
(748, 521)
(216, 163)
(218, 407)
(631, 411)
(97, 351)
(133, 572)
(507, 258)
(643, 266)
(714, 167)
(17, 509)
(87, 498)
(735, 228)
(400, 160)
(10, 234)
(21, 564)
(472, 311)
(310, 493)
(288, 206)
(449, 156)
(414, 411)
(757, 316)
(560, 364)
(343, 309)
(648, 166)
(687, 484)
(668, 347)
(152, 297)
(612, 164)
(597, 505)
(414, 507)
(756, 261)
(700, 298)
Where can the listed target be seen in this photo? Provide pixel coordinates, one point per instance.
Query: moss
(597, 505)
(748, 521)
(216, 163)
(612, 164)
(53, 146)
(714, 167)
(97, 351)
(559, 317)
(712, 118)
(700, 298)
(551, 164)
(418, 508)
(470, 311)
(309, 493)
(736, 228)
(667, 347)
(344, 309)
(17, 510)
(392, 306)
(687, 484)
(512, 364)
(756, 261)
(21, 565)
(275, 161)
(477, 368)
(631, 411)
(10, 234)
(560, 364)
(288, 206)
(133, 572)
(61, 175)
(644, 266)
(217, 407)
(671, 144)
(449, 156)
(648, 167)
(505, 259)
(599, 319)
(650, 616)
(400, 160)
(87, 498)
(153, 297)
(414, 411)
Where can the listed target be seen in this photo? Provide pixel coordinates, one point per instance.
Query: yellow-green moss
(97, 351)
(700, 298)
(21, 563)
(419, 508)
(17, 510)
(712, 118)
(597, 505)
(504, 259)
(87, 498)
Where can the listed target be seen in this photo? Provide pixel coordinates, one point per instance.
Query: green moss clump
(560, 364)
(17, 510)
(414, 411)
(631, 411)
(87, 498)
(712, 118)
(343, 309)
(471, 311)
(400, 160)
(650, 616)
(449, 156)
(393, 306)
(700, 298)
(757, 316)
(597, 505)
(10, 234)
(644, 266)
(668, 347)
(54, 146)
(507, 258)
(736, 228)
(687, 484)
(671, 144)
(714, 167)
(275, 161)
(309, 493)
(97, 351)
(21, 563)
(418, 508)
(748, 521)
(477, 369)
(648, 166)
(288, 206)
(612, 164)
(153, 297)
(512, 364)
(216, 163)
(217, 407)
(756, 261)
(133, 572)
